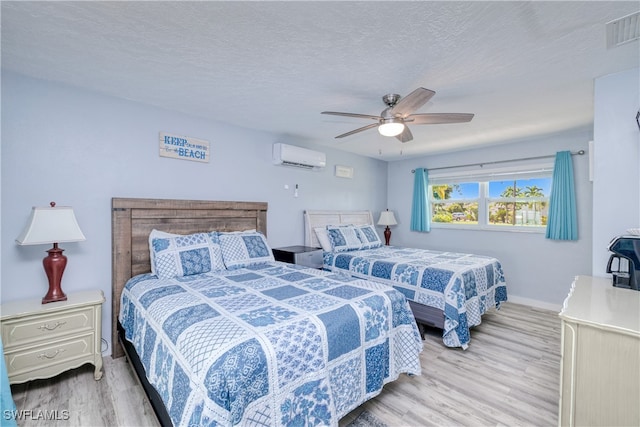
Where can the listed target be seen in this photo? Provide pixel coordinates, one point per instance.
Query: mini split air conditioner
(290, 155)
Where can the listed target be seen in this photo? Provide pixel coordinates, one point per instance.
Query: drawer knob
(46, 326)
(50, 356)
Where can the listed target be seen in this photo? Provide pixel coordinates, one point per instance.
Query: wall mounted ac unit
(290, 155)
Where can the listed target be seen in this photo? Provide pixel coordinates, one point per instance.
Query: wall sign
(184, 147)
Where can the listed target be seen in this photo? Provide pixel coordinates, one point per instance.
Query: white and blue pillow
(323, 238)
(186, 255)
(243, 249)
(155, 234)
(368, 236)
(344, 238)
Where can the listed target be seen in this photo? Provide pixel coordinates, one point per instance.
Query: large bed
(250, 341)
(446, 290)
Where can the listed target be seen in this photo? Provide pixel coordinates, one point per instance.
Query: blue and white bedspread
(272, 344)
(464, 286)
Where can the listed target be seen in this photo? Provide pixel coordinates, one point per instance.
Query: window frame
(521, 172)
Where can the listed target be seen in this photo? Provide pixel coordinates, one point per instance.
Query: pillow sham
(154, 235)
(323, 238)
(243, 249)
(186, 255)
(368, 236)
(344, 238)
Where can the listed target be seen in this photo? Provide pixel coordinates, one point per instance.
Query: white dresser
(44, 340)
(600, 368)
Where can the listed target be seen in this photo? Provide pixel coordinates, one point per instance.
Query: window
(455, 202)
(521, 202)
(499, 199)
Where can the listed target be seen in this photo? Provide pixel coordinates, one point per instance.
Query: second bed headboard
(313, 219)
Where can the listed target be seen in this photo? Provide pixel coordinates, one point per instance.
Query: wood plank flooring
(509, 376)
(116, 400)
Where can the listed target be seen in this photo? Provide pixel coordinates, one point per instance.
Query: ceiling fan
(393, 119)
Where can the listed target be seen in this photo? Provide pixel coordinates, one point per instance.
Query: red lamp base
(387, 235)
(54, 266)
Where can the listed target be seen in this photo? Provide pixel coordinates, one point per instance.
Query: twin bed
(221, 334)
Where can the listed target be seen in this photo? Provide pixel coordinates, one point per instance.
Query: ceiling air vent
(623, 30)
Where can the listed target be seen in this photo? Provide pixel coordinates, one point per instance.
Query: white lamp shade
(51, 225)
(391, 128)
(387, 218)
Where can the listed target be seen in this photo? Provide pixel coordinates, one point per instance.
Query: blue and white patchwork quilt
(271, 344)
(464, 286)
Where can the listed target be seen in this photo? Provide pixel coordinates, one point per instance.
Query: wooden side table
(44, 340)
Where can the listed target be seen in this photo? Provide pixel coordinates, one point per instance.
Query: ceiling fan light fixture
(391, 122)
(391, 127)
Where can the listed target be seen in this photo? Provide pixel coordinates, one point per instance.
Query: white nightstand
(44, 340)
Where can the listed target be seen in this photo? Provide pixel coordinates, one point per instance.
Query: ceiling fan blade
(406, 135)
(412, 102)
(438, 118)
(372, 125)
(360, 116)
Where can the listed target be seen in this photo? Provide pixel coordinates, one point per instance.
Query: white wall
(616, 168)
(81, 149)
(538, 271)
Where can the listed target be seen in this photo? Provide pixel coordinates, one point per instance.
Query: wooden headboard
(133, 219)
(313, 219)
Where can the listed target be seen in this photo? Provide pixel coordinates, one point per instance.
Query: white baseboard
(534, 303)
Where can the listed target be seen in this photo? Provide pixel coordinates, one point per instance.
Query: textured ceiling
(524, 68)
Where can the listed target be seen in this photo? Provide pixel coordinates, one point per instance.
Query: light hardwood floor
(509, 376)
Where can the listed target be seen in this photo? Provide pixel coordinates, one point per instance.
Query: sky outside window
(497, 188)
(465, 190)
(471, 190)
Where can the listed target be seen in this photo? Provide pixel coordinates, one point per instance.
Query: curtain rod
(580, 153)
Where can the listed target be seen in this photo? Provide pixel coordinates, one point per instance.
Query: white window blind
(539, 170)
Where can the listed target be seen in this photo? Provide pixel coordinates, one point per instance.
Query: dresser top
(32, 306)
(596, 302)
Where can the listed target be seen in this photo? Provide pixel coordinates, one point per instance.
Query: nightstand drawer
(301, 255)
(51, 359)
(46, 326)
(309, 259)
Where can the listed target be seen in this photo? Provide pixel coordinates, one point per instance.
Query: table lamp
(387, 218)
(52, 225)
